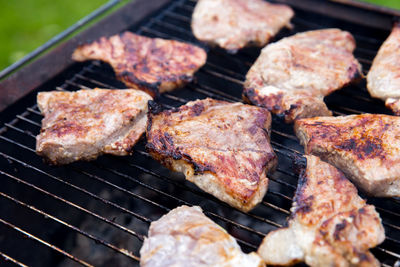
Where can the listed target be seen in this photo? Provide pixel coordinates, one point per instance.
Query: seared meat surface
(85, 124)
(185, 237)
(383, 80)
(365, 147)
(224, 148)
(234, 24)
(292, 76)
(153, 65)
(330, 224)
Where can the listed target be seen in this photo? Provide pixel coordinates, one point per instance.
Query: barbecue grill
(97, 213)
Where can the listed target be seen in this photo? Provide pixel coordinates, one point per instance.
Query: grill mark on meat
(153, 65)
(367, 148)
(292, 76)
(84, 124)
(129, 78)
(66, 128)
(203, 136)
(364, 144)
(339, 227)
(234, 24)
(383, 79)
(272, 102)
(330, 225)
(185, 235)
(197, 109)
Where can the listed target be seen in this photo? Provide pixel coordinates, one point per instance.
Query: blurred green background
(27, 24)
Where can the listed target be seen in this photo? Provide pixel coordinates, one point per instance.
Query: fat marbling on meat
(84, 124)
(153, 65)
(330, 224)
(185, 237)
(234, 24)
(224, 148)
(292, 76)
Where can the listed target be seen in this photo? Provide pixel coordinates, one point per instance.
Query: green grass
(27, 24)
(387, 3)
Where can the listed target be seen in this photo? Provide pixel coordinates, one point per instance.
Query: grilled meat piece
(85, 124)
(365, 147)
(153, 65)
(383, 80)
(292, 76)
(185, 237)
(330, 224)
(234, 24)
(224, 148)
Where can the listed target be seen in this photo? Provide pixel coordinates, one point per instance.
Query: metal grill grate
(82, 203)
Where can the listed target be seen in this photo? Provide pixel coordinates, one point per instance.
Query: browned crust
(153, 65)
(234, 24)
(365, 144)
(330, 225)
(273, 102)
(307, 207)
(76, 125)
(161, 146)
(295, 87)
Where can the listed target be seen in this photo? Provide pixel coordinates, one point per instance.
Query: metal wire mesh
(83, 202)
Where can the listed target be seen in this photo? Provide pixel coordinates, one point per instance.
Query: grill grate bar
(149, 187)
(30, 236)
(74, 228)
(217, 93)
(33, 110)
(178, 16)
(129, 231)
(163, 193)
(279, 181)
(388, 211)
(209, 213)
(182, 100)
(388, 252)
(28, 120)
(232, 74)
(210, 92)
(158, 191)
(276, 207)
(280, 195)
(140, 237)
(286, 148)
(268, 204)
(349, 110)
(232, 222)
(9, 259)
(190, 35)
(122, 209)
(199, 193)
(173, 27)
(275, 180)
(219, 75)
(240, 82)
